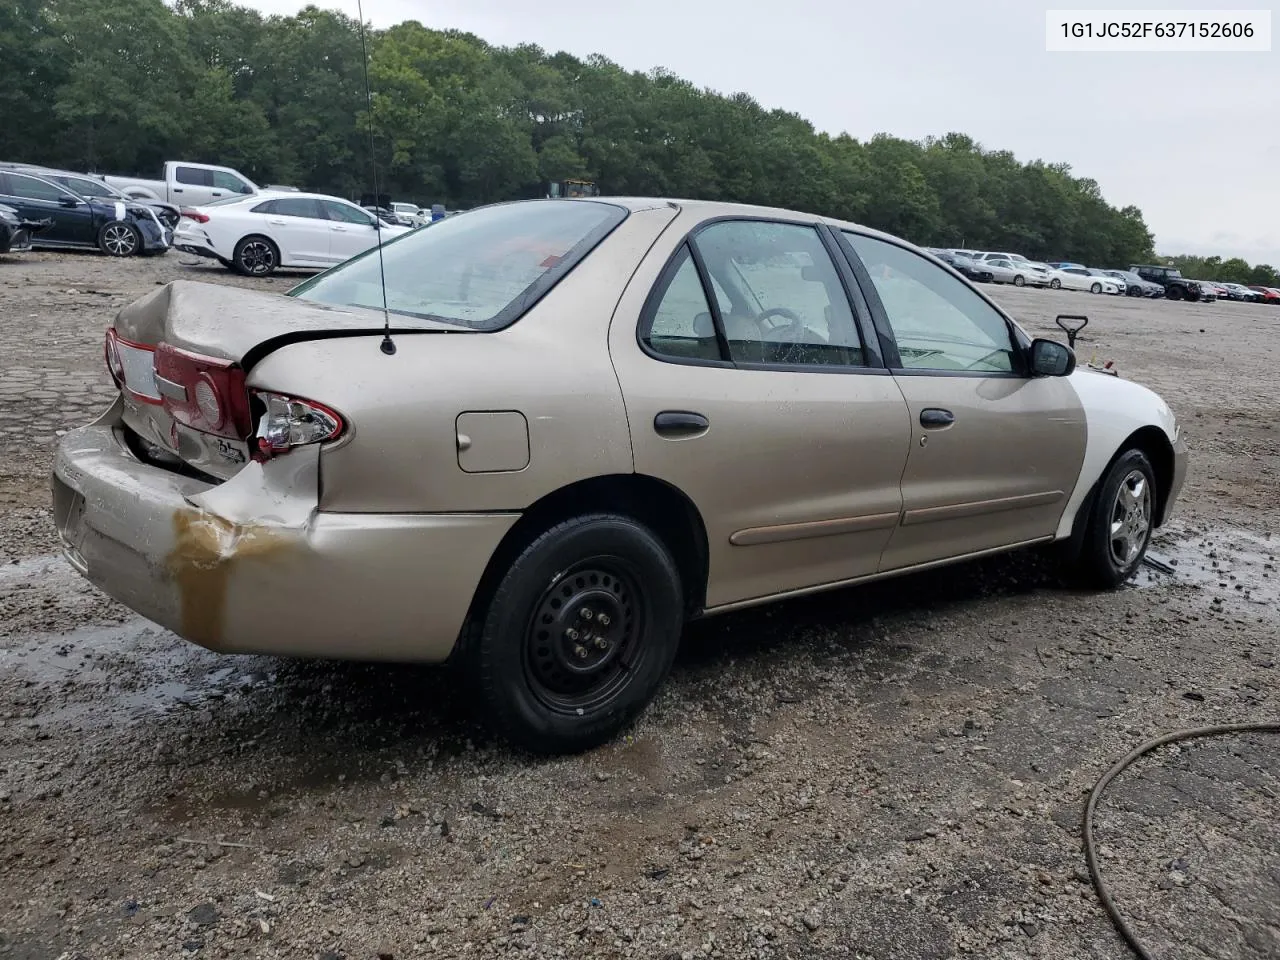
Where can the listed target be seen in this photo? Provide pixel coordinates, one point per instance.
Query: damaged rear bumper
(251, 566)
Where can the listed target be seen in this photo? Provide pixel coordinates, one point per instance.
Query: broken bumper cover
(249, 565)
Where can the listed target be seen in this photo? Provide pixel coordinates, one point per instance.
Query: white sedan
(255, 235)
(1079, 278)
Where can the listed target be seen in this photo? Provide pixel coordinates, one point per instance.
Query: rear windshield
(481, 269)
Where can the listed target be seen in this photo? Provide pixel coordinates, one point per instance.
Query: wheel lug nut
(604, 619)
(580, 652)
(585, 613)
(602, 643)
(571, 633)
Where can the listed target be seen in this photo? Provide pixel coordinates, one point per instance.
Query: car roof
(718, 208)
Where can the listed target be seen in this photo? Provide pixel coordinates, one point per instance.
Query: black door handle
(675, 423)
(935, 417)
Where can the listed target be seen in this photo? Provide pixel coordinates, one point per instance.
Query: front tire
(256, 256)
(1055, 283)
(578, 636)
(1120, 523)
(1096, 288)
(119, 239)
(1019, 281)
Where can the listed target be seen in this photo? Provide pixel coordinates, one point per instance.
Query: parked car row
(1139, 280)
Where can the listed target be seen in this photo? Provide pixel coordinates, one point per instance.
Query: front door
(351, 230)
(38, 199)
(995, 451)
(749, 386)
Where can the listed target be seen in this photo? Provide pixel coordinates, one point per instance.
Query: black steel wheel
(578, 635)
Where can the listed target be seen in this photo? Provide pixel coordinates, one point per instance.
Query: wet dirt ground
(894, 772)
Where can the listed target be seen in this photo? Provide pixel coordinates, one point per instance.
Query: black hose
(1090, 853)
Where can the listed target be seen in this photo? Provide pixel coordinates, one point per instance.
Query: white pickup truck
(186, 184)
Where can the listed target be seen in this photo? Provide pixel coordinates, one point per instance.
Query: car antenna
(387, 346)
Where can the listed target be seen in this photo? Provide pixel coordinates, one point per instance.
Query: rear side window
(306, 207)
(482, 269)
(682, 324)
(194, 176)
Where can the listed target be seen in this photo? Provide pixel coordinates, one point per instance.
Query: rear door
(38, 199)
(995, 451)
(350, 230)
(753, 385)
(300, 229)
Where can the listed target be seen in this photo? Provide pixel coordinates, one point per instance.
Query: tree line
(119, 86)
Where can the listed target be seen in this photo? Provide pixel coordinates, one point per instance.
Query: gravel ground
(896, 771)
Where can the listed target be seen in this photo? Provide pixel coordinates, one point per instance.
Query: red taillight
(204, 393)
(191, 213)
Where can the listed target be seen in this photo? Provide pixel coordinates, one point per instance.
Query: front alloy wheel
(118, 239)
(1119, 525)
(1130, 518)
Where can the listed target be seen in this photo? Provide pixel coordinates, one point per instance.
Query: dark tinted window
(30, 188)
(298, 207)
(482, 269)
(194, 176)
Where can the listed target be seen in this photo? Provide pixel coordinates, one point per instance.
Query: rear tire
(256, 256)
(1119, 525)
(119, 238)
(552, 679)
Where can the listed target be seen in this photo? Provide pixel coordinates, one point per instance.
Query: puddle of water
(1226, 562)
(96, 676)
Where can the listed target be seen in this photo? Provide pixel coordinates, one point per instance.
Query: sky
(1192, 139)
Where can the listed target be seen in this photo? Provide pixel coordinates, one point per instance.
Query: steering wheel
(793, 333)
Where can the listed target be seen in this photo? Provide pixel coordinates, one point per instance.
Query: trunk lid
(216, 320)
(226, 324)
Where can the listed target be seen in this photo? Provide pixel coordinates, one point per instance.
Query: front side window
(482, 269)
(29, 188)
(938, 321)
(785, 301)
(345, 213)
(228, 181)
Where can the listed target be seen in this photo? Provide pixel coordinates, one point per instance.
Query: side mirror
(246, 189)
(68, 202)
(1049, 358)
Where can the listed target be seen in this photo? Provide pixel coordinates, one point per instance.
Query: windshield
(481, 269)
(89, 188)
